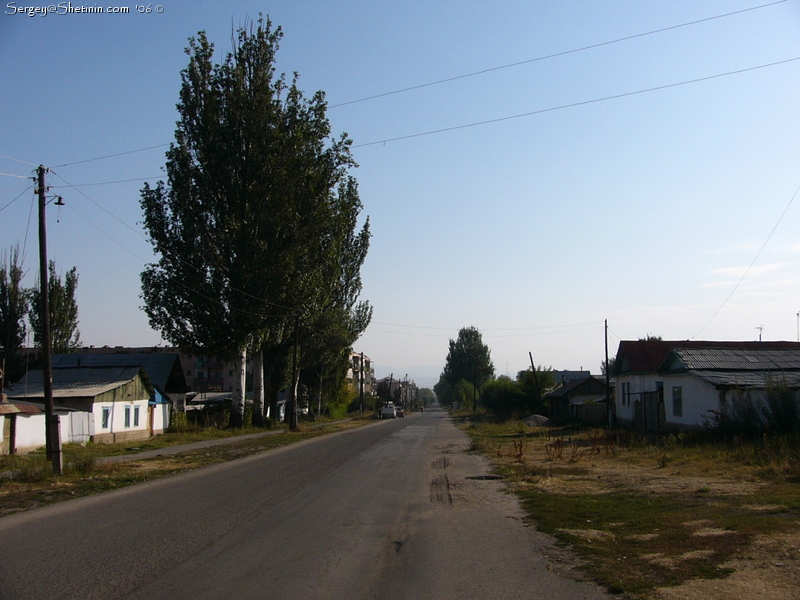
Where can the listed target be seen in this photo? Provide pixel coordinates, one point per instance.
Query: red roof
(646, 356)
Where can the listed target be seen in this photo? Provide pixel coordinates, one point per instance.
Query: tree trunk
(269, 361)
(319, 396)
(258, 388)
(239, 386)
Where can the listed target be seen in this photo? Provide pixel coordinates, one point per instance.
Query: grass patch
(26, 480)
(644, 512)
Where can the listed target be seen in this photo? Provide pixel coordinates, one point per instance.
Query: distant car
(400, 412)
(388, 411)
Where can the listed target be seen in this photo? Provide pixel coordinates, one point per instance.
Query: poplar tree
(13, 308)
(64, 334)
(246, 226)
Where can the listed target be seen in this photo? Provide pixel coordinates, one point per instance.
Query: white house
(23, 426)
(700, 384)
(641, 394)
(121, 400)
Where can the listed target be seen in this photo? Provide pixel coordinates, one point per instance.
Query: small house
(122, 402)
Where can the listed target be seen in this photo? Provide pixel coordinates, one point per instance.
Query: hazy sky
(645, 209)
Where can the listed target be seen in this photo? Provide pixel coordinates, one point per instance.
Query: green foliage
(443, 391)
(608, 366)
(178, 422)
(13, 308)
(651, 338)
(745, 414)
(63, 307)
(512, 399)
(468, 359)
(426, 397)
(258, 221)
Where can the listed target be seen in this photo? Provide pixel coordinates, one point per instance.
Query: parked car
(388, 411)
(400, 412)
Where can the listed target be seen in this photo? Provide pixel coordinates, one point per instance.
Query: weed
(520, 446)
(555, 449)
(29, 468)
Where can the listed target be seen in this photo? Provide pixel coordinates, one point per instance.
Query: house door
(650, 410)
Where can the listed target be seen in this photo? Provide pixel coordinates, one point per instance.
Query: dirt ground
(766, 569)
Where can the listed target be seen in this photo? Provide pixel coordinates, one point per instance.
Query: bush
(31, 468)
(81, 463)
(750, 417)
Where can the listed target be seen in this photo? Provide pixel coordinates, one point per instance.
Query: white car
(388, 411)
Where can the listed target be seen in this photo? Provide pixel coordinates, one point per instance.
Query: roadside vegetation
(659, 516)
(27, 480)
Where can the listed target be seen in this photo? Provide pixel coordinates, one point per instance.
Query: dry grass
(660, 517)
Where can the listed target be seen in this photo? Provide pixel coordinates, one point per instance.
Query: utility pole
(536, 381)
(51, 431)
(608, 387)
(361, 391)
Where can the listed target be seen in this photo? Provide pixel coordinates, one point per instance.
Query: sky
(635, 162)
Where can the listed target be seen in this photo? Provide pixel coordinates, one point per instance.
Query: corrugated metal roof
(157, 365)
(739, 359)
(74, 383)
(749, 379)
(646, 356)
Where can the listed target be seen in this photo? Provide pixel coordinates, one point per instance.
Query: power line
(17, 198)
(24, 162)
(140, 234)
(18, 176)
(575, 104)
(554, 55)
(100, 206)
(488, 335)
(77, 185)
(482, 330)
(80, 162)
(751, 264)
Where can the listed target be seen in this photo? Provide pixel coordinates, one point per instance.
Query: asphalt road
(388, 511)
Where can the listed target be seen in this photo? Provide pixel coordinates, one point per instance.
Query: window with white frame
(106, 416)
(127, 416)
(135, 416)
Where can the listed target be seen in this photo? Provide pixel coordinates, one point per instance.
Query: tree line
(468, 378)
(20, 307)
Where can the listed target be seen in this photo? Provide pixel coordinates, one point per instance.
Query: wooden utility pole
(51, 432)
(536, 381)
(361, 391)
(608, 375)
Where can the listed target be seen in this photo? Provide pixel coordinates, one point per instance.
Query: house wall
(639, 383)
(699, 398)
(30, 433)
(132, 396)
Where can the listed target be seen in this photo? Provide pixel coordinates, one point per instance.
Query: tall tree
(63, 311)
(13, 308)
(246, 227)
(468, 359)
